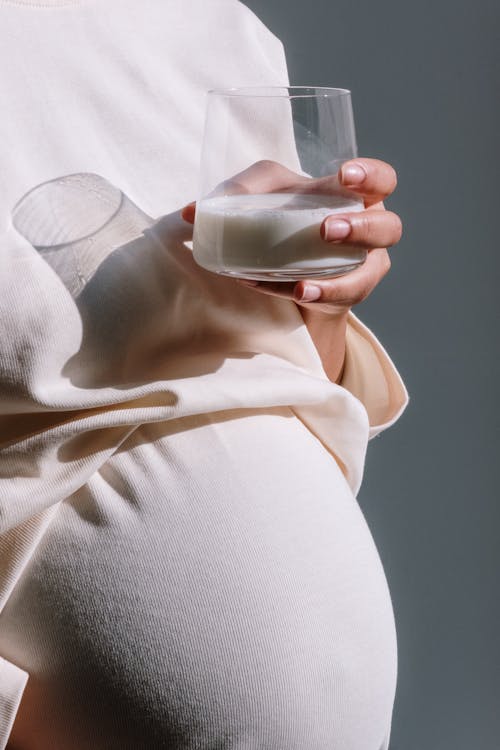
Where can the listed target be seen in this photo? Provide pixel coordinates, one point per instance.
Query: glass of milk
(269, 162)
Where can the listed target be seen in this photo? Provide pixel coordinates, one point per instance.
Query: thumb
(188, 212)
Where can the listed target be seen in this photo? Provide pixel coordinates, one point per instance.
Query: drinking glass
(269, 162)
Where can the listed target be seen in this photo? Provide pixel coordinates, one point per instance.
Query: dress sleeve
(370, 375)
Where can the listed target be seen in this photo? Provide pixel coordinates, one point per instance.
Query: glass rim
(305, 92)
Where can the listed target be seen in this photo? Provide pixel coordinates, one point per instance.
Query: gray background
(425, 81)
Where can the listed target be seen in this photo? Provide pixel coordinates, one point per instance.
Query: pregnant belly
(216, 587)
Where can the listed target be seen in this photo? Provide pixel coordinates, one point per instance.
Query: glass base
(287, 274)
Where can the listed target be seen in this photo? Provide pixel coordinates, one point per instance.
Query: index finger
(372, 179)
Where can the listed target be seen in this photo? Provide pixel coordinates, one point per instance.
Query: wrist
(328, 333)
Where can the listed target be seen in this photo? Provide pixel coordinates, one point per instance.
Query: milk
(272, 235)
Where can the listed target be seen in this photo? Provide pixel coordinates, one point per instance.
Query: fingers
(264, 176)
(347, 290)
(364, 229)
(371, 178)
(335, 293)
(188, 212)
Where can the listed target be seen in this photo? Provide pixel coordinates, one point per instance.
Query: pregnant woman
(183, 563)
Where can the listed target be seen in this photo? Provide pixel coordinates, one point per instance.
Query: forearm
(328, 332)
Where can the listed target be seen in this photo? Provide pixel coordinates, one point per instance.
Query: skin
(325, 304)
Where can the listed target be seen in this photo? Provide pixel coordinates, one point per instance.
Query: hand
(325, 303)
(374, 229)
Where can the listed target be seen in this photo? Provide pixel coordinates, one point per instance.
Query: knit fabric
(183, 563)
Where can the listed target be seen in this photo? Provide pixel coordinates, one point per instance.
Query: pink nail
(337, 229)
(310, 293)
(352, 175)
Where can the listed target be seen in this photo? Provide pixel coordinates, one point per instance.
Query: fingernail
(310, 293)
(188, 211)
(352, 175)
(337, 229)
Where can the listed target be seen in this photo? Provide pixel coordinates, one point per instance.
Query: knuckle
(360, 294)
(388, 179)
(267, 168)
(397, 226)
(264, 164)
(386, 264)
(364, 226)
(335, 294)
(393, 178)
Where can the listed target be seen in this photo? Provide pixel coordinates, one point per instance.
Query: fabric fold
(371, 376)
(12, 683)
(91, 365)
